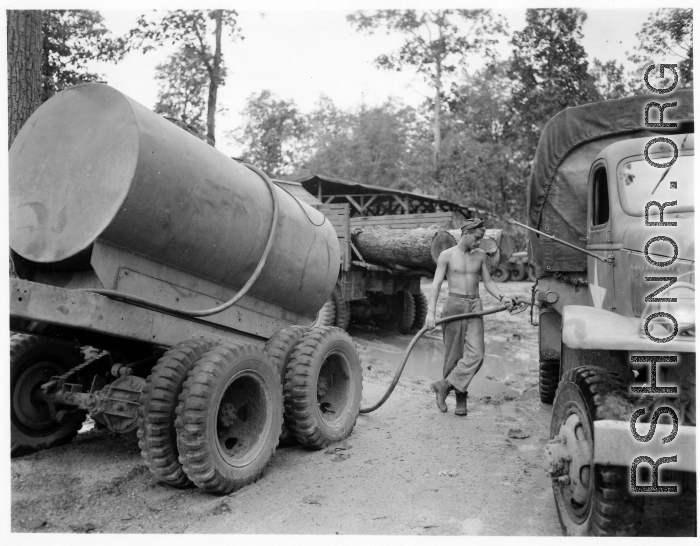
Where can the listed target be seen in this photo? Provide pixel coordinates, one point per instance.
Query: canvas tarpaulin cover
(557, 192)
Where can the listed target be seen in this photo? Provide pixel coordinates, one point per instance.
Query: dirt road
(407, 469)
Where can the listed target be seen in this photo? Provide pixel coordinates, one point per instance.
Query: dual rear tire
(212, 415)
(323, 387)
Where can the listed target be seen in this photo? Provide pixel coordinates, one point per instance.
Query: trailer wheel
(159, 400)
(326, 315)
(323, 388)
(548, 379)
(34, 360)
(421, 304)
(279, 349)
(229, 418)
(406, 309)
(501, 274)
(531, 274)
(519, 274)
(591, 500)
(342, 310)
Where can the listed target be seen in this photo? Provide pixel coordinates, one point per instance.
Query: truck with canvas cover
(601, 337)
(163, 287)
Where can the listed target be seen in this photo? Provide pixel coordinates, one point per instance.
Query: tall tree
(437, 44)
(483, 163)
(72, 38)
(549, 69)
(193, 30)
(372, 145)
(23, 68)
(272, 133)
(667, 35)
(610, 80)
(183, 86)
(23, 74)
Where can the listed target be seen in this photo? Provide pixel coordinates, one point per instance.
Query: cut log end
(441, 242)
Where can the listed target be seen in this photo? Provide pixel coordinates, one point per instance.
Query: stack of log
(420, 248)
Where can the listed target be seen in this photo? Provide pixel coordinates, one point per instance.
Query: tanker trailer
(193, 275)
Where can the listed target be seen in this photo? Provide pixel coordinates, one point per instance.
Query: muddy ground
(407, 469)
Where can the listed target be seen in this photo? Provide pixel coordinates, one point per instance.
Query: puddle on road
(503, 361)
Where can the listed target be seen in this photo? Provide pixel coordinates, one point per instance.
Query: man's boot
(461, 407)
(441, 388)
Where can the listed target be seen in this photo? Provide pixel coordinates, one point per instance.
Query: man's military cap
(472, 223)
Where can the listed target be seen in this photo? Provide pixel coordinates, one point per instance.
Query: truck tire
(323, 388)
(531, 274)
(421, 305)
(519, 273)
(279, 349)
(229, 418)
(406, 309)
(159, 400)
(34, 360)
(342, 310)
(548, 380)
(501, 274)
(596, 500)
(326, 315)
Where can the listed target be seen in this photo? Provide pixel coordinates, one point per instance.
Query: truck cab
(615, 308)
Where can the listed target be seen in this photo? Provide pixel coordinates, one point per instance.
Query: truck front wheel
(34, 360)
(548, 379)
(591, 500)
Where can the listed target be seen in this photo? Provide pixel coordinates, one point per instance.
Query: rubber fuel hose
(415, 339)
(214, 310)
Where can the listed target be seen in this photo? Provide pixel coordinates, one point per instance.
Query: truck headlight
(683, 310)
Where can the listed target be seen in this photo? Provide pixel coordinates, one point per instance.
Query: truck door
(600, 241)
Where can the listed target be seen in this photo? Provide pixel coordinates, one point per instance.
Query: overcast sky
(310, 50)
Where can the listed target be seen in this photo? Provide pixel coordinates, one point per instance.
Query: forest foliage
(471, 141)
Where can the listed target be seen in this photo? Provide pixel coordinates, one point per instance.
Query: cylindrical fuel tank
(92, 163)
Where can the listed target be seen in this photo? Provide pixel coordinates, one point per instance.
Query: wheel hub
(28, 402)
(242, 419)
(332, 387)
(568, 459)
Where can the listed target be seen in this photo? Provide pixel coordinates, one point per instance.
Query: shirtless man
(464, 339)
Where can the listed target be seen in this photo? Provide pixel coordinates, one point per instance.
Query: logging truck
(383, 257)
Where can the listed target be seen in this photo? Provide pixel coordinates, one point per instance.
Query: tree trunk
(416, 248)
(24, 53)
(437, 133)
(215, 77)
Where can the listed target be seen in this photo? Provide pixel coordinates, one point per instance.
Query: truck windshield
(641, 183)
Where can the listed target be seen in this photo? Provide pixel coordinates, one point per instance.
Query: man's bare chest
(466, 264)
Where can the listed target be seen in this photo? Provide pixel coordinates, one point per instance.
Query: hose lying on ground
(422, 331)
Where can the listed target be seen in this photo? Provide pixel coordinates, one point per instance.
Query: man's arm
(491, 286)
(440, 272)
